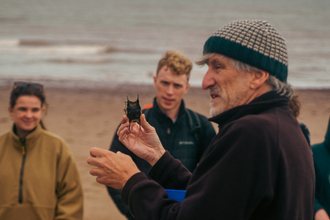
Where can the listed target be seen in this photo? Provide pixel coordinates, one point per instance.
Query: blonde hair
(177, 62)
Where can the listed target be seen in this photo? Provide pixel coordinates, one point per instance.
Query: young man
(259, 166)
(184, 133)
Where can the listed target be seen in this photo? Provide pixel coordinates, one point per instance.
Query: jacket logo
(186, 142)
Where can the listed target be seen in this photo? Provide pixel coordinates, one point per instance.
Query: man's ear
(258, 79)
(187, 88)
(155, 79)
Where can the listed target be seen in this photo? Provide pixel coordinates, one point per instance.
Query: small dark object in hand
(133, 110)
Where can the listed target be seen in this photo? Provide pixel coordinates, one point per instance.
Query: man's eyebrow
(177, 84)
(217, 62)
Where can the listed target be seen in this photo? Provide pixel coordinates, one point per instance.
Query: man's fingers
(92, 161)
(96, 155)
(97, 152)
(125, 119)
(122, 134)
(143, 121)
(108, 182)
(123, 156)
(96, 172)
(145, 125)
(123, 129)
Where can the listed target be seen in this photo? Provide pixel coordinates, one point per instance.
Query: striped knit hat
(253, 42)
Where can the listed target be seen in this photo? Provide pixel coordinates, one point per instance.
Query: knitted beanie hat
(253, 42)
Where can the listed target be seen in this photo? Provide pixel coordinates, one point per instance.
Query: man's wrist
(160, 154)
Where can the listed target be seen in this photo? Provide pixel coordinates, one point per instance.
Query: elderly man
(259, 166)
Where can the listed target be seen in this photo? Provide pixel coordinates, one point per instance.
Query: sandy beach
(87, 118)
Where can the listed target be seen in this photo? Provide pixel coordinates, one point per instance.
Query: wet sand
(87, 118)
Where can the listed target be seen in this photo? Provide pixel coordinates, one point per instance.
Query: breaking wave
(16, 46)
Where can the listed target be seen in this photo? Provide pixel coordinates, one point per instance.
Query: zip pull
(168, 131)
(23, 150)
(23, 145)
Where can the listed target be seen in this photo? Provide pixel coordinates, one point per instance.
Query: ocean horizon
(100, 43)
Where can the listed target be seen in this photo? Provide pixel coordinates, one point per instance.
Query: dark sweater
(259, 166)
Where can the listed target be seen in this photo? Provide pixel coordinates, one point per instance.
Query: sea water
(113, 42)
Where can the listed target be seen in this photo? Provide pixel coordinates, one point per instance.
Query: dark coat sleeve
(154, 197)
(213, 190)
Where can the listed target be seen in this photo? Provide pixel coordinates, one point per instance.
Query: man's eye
(35, 110)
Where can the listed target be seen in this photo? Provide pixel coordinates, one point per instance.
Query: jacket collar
(29, 139)
(160, 113)
(260, 104)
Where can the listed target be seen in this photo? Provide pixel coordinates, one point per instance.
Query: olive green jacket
(38, 178)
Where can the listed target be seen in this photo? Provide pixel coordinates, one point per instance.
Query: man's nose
(169, 89)
(208, 80)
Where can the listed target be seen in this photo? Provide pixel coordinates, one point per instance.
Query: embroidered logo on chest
(186, 142)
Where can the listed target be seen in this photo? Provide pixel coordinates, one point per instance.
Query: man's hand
(321, 215)
(142, 141)
(112, 169)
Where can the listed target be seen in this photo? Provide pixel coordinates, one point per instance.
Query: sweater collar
(260, 104)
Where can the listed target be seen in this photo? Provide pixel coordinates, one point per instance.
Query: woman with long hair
(38, 176)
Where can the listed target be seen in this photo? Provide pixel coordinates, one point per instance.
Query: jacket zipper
(20, 190)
